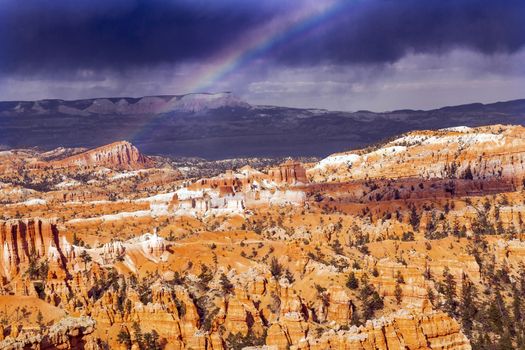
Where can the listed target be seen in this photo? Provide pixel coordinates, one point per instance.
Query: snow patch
(162, 197)
(338, 159)
(68, 183)
(112, 217)
(34, 201)
(458, 129)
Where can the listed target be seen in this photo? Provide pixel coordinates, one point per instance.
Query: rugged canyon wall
(25, 241)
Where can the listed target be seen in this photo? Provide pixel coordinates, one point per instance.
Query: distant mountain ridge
(219, 126)
(125, 105)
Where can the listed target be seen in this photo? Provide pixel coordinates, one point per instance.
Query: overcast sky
(335, 54)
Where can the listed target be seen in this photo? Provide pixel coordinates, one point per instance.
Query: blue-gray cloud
(54, 35)
(379, 31)
(61, 35)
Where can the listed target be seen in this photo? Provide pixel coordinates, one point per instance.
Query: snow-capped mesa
(205, 101)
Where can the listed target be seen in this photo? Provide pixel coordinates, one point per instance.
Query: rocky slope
(401, 330)
(69, 333)
(494, 152)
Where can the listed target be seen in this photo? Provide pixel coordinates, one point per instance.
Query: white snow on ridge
(184, 193)
(466, 138)
(35, 201)
(338, 159)
(123, 175)
(32, 201)
(350, 159)
(159, 209)
(162, 197)
(473, 138)
(390, 150)
(128, 174)
(457, 129)
(68, 183)
(118, 216)
(149, 246)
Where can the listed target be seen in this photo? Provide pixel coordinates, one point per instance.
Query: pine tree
(414, 219)
(40, 319)
(138, 333)
(449, 290)
(467, 175)
(399, 277)
(85, 257)
(226, 285)
(371, 300)
(467, 306)
(398, 293)
(124, 338)
(352, 281)
(505, 341)
(496, 313)
(337, 247)
(430, 295)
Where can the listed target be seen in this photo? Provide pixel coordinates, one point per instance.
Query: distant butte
(121, 155)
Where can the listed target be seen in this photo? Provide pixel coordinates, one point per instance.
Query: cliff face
(23, 241)
(289, 172)
(401, 330)
(117, 155)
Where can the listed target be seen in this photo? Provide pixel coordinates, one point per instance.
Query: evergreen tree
(467, 306)
(399, 277)
(138, 333)
(352, 281)
(467, 175)
(226, 285)
(124, 338)
(414, 218)
(449, 290)
(398, 293)
(371, 300)
(151, 341)
(496, 314)
(40, 320)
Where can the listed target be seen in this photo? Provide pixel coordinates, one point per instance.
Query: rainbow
(257, 44)
(252, 47)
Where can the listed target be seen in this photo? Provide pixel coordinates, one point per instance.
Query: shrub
(276, 269)
(408, 236)
(352, 281)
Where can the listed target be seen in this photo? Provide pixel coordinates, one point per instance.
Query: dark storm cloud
(57, 35)
(115, 34)
(378, 31)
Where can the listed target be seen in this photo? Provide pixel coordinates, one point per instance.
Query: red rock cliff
(117, 155)
(23, 240)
